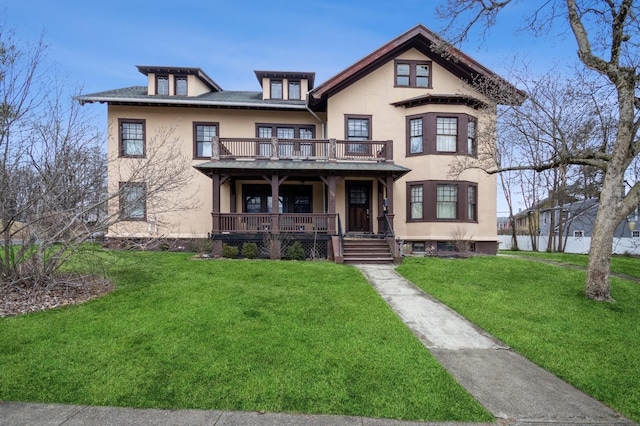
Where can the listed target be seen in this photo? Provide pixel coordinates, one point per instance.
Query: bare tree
(54, 193)
(607, 34)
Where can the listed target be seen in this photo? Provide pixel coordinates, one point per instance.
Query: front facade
(366, 153)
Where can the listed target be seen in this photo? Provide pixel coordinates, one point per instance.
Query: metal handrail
(340, 233)
(388, 232)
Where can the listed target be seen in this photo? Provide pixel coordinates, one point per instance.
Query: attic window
(412, 73)
(276, 89)
(181, 86)
(162, 85)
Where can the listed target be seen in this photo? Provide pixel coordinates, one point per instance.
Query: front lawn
(307, 337)
(540, 310)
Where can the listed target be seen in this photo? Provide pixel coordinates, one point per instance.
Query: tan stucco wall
(231, 123)
(373, 95)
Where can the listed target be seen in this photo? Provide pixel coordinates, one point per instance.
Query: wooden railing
(248, 223)
(301, 149)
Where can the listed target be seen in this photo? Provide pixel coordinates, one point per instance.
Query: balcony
(301, 149)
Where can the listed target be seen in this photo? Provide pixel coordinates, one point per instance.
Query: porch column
(331, 226)
(216, 244)
(389, 190)
(275, 205)
(215, 208)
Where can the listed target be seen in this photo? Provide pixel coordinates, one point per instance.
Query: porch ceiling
(301, 168)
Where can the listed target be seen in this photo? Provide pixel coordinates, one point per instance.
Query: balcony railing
(301, 149)
(251, 223)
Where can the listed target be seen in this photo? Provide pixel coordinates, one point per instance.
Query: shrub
(229, 251)
(201, 245)
(295, 251)
(250, 250)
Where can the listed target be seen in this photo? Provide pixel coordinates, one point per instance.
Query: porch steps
(364, 250)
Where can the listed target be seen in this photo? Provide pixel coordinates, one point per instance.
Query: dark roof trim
(426, 41)
(190, 103)
(301, 168)
(466, 100)
(310, 76)
(146, 69)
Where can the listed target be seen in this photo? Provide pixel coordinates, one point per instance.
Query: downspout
(323, 124)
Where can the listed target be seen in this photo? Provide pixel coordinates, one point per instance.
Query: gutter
(90, 99)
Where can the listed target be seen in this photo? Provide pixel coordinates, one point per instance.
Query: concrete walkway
(511, 387)
(514, 390)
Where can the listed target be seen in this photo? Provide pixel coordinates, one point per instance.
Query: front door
(359, 206)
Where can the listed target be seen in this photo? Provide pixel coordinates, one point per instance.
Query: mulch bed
(22, 300)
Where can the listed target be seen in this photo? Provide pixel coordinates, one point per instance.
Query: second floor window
(162, 85)
(203, 138)
(436, 133)
(285, 149)
(276, 89)
(358, 128)
(131, 135)
(415, 136)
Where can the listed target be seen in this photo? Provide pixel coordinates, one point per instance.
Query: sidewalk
(514, 390)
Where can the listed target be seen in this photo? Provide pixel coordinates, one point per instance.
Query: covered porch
(320, 198)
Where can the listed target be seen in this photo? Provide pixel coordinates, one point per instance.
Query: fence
(577, 245)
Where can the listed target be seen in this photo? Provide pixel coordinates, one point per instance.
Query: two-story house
(367, 153)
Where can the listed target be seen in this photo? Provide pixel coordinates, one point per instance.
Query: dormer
(285, 85)
(177, 81)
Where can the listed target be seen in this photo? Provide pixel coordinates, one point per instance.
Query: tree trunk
(597, 286)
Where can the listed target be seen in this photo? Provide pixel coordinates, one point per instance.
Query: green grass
(308, 337)
(540, 310)
(620, 264)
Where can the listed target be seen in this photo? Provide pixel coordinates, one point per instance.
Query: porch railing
(301, 149)
(267, 222)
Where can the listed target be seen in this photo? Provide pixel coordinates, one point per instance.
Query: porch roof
(302, 168)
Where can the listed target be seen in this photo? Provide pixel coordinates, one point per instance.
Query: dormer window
(162, 85)
(181, 85)
(276, 89)
(412, 73)
(294, 90)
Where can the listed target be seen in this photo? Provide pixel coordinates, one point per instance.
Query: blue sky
(97, 44)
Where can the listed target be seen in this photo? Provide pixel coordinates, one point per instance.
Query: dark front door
(359, 206)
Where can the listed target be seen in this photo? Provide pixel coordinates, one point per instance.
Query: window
(162, 85)
(276, 89)
(416, 201)
(471, 203)
(447, 202)
(285, 131)
(358, 128)
(203, 134)
(412, 73)
(292, 199)
(471, 137)
(132, 201)
(578, 234)
(635, 234)
(434, 133)
(415, 136)
(294, 90)
(181, 86)
(434, 201)
(131, 135)
(446, 134)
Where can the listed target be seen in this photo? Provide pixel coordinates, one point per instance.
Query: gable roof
(427, 42)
